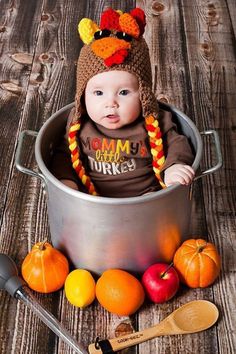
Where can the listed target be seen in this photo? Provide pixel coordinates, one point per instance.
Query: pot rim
(109, 200)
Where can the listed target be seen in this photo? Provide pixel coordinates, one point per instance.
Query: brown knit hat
(117, 44)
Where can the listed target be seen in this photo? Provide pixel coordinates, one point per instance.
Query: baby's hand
(70, 183)
(178, 173)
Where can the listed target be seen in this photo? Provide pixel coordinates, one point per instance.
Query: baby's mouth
(112, 116)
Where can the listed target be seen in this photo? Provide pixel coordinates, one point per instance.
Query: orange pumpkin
(45, 268)
(197, 263)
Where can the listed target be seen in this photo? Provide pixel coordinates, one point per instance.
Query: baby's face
(112, 99)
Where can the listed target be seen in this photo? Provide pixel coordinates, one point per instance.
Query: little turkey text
(113, 156)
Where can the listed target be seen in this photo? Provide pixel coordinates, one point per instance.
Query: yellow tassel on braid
(156, 145)
(77, 164)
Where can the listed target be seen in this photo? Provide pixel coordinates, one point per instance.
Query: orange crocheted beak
(112, 50)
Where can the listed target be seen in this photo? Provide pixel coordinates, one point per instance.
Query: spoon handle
(127, 340)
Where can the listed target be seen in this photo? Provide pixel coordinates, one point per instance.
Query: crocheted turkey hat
(116, 44)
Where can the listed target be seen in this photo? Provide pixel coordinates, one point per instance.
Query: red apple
(161, 282)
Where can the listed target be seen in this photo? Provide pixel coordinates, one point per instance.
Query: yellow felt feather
(119, 12)
(86, 29)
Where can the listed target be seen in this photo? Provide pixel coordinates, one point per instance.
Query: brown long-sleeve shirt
(119, 161)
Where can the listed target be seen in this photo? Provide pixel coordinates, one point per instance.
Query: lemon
(80, 288)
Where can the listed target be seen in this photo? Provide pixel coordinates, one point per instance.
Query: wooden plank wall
(192, 46)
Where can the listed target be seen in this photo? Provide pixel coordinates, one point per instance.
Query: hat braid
(77, 164)
(156, 144)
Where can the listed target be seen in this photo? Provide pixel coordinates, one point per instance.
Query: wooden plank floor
(192, 45)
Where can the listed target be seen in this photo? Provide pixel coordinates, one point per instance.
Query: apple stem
(163, 274)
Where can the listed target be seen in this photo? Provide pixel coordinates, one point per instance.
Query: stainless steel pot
(97, 233)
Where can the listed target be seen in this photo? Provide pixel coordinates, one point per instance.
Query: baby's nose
(111, 102)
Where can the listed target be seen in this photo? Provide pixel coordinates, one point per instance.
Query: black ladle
(16, 287)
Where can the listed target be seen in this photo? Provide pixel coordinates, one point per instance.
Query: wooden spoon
(195, 316)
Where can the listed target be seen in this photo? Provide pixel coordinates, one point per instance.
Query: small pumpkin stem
(166, 271)
(42, 245)
(201, 248)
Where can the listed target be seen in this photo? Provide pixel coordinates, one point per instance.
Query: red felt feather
(110, 20)
(139, 15)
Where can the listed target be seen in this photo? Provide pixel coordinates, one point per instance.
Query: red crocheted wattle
(116, 58)
(110, 20)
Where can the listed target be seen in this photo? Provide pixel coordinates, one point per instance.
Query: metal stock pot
(98, 233)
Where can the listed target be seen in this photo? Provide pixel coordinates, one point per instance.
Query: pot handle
(219, 163)
(18, 164)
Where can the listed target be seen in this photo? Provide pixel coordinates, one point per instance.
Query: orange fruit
(119, 292)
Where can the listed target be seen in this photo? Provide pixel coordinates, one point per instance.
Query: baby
(119, 143)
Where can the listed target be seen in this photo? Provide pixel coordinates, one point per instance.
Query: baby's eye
(124, 92)
(98, 93)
